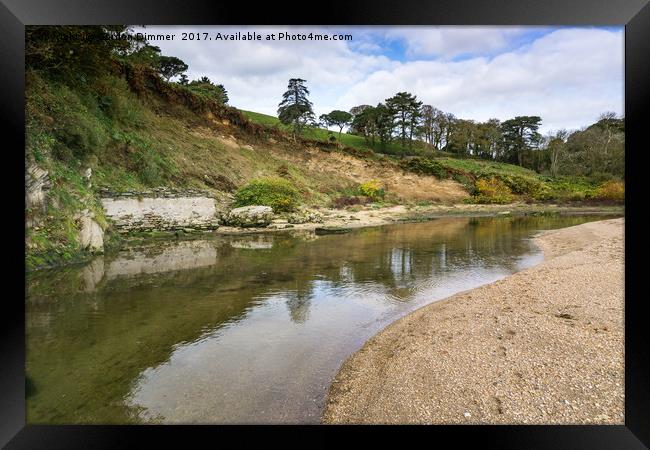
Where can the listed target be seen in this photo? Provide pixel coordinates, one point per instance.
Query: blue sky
(567, 75)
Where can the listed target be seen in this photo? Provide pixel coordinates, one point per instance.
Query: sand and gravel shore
(543, 346)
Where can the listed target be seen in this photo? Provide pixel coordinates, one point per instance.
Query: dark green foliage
(205, 88)
(278, 193)
(295, 108)
(426, 166)
(171, 66)
(405, 109)
(519, 135)
(74, 53)
(337, 118)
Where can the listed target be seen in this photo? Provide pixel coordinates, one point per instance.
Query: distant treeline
(596, 149)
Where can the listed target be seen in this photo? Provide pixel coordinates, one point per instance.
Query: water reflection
(243, 328)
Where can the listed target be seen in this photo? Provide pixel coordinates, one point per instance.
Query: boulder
(304, 216)
(249, 216)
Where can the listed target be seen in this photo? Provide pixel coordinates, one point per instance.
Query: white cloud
(452, 41)
(567, 76)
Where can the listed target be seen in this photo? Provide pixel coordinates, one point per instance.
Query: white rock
(250, 216)
(91, 235)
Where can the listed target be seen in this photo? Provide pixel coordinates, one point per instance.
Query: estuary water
(247, 328)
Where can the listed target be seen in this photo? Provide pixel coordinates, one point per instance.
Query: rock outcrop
(249, 216)
(161, 210)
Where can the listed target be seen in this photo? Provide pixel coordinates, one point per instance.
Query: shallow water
(244, 329)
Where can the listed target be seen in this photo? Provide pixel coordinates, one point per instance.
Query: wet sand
(542, 346)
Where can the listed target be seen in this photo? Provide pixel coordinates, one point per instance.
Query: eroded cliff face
(40, 205)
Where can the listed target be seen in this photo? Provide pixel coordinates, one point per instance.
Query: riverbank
(542, 346)
(369, 216)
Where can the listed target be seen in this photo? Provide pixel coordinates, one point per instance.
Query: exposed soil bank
(544, 346)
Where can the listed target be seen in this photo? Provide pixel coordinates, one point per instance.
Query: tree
(73, 53)
(384, 122)
(356, 110)
(462, 137)
(170, 67)
(338, 118)
(147, 55)
(359, 120)
(519, 136)
(428, 117)
(183, 80)
(556, 146)
(364, 123)
(295, 108)
(406, 110)
(487, 139)
(205, 87)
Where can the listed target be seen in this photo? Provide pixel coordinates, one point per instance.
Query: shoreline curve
(541, 346)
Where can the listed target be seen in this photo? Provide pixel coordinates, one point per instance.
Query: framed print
(237, 217)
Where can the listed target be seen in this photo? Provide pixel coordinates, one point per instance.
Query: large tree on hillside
(462, 137)
(556, 147)
(487, 139)
(519, 136)
(357, 119)
(364, 123)
(406, 111)
(170, 67)
(384, 122)
(337, 118)
(295, 108)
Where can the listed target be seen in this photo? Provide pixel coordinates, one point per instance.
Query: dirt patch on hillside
(406, 186)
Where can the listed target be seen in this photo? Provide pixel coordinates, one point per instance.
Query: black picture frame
(15, 14)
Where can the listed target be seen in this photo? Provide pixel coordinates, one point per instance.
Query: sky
(566, 75)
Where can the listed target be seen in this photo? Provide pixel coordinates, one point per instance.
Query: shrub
(277, 193)
(611, 190)
(372, 189)
(492, 190)
(425, 166)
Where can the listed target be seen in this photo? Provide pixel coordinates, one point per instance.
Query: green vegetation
(277, 193)
(493, 182)
(492, 190)
(346, 139)
(295, 109)
(372, 189)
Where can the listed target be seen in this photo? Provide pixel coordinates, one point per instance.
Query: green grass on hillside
(494, 182)
(348, 140)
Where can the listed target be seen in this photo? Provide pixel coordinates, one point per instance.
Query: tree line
(403, 119)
